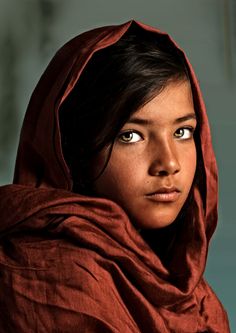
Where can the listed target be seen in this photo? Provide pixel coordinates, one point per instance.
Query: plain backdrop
(32, 30)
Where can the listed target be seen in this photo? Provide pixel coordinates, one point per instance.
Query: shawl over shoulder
(71, 263)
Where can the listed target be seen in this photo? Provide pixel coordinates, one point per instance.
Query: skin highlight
(154, 152)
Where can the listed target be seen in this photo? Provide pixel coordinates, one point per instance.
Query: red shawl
(70, 263)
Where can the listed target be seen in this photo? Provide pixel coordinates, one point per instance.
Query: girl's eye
(184, 133)
(129, 137)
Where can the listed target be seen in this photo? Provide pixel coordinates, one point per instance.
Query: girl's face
(153, 161)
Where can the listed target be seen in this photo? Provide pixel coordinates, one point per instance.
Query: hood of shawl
(41, 170)
(40, 161)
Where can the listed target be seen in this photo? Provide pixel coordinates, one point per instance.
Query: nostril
(165, 171)
(162, 173)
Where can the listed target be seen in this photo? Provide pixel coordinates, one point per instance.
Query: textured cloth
(71, 263)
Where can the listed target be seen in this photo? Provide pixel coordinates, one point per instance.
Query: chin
(154, 222)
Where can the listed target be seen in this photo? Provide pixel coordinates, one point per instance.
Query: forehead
(175, 101)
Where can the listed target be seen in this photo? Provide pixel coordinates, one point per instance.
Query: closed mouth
(164, 194)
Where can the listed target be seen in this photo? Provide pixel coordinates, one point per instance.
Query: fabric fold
(75, 263)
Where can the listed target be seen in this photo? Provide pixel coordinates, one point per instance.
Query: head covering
(77, 263)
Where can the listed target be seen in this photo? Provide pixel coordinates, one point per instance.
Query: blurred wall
(32, 30)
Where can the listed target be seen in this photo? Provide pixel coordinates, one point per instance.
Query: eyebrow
(143, 121)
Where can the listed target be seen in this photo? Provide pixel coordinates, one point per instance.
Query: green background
(32, 30)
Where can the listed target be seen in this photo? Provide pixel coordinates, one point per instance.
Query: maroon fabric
(70, 263)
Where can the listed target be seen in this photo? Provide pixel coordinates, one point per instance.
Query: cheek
(120, 178)
(190, 162)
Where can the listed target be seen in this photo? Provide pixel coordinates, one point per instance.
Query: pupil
(180, 132)
(128, 136)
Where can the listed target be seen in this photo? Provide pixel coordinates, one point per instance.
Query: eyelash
(189, 128)
(128, 132)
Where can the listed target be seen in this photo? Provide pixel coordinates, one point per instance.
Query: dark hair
(115, 83)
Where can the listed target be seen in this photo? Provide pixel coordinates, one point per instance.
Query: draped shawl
(72, 263)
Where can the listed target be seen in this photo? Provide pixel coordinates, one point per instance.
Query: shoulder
(67, 285)
(211, 307)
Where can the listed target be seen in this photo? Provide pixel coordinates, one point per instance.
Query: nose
(164, 160)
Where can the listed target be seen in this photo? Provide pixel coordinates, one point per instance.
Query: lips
(164, 194)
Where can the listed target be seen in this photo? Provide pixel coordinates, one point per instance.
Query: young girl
(114, 201)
